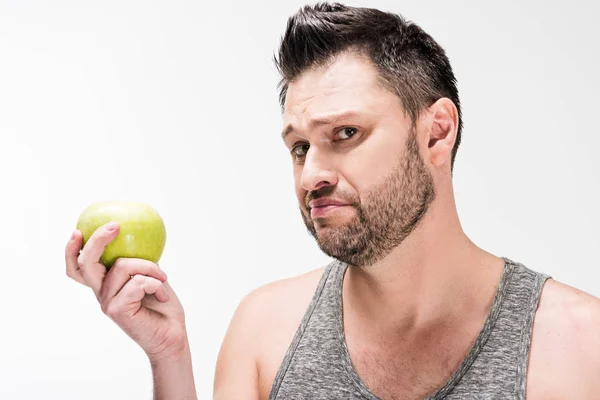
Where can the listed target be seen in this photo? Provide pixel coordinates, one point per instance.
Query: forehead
(350, 81)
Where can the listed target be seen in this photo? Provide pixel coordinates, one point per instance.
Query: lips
(326, 202)
(324, 207)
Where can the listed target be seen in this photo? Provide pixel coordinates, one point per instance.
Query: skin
(444, 282)
(135, 294)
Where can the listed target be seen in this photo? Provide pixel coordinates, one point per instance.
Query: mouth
(326, 210)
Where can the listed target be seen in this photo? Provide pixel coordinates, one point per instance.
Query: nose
(317, 172)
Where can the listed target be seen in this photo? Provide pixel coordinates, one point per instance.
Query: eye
(300, 150)
(346, 133)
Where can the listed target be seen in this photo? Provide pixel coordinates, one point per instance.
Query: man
(410, 307)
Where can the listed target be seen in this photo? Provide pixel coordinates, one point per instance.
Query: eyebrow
(320, 121)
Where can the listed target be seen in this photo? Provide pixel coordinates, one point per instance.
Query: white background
(175, 104)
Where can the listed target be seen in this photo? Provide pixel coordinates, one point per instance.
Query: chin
(328, 226)
(325, 222)
(331, 229)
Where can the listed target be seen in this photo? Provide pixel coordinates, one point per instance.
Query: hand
(134, 293)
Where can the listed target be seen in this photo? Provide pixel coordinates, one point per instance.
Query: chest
(402, 374)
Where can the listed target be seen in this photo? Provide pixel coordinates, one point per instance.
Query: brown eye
(347, 133)
(300, 150)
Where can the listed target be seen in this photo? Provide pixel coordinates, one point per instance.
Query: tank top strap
(324, 290)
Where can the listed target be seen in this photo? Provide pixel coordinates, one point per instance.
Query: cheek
(300, 192)
(371, 164)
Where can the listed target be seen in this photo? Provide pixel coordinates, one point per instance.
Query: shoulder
(567, 311)
(275, 302)
(263, 327)
(565, 346)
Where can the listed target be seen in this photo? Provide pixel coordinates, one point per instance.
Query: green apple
(142, 232)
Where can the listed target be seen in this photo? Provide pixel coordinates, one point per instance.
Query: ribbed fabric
(317, 364)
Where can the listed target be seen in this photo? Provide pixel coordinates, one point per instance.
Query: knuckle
(120, 264)
(111, 309)
(153, 268)
(104, 307)
(153, 284)
(140, 279)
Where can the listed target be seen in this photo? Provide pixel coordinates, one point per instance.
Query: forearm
(173, 377)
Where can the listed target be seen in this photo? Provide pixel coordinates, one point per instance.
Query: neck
(436, 278)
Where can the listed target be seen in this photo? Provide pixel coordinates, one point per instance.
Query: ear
(443, 120)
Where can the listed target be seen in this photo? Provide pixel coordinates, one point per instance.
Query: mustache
(327, 191)
(317, 194)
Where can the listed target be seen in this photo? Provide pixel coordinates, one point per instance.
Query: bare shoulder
(279, 306)
(282, 296)
(565, 349)
(261, 330)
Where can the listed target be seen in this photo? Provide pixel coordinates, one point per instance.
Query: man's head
(366, 98)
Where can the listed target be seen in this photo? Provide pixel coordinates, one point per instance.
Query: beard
(385, 216)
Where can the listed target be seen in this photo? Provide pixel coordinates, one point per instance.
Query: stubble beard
(385, 216)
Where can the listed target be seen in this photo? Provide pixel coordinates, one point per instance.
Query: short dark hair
(410, 62)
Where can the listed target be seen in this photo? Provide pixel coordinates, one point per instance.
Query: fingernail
(73, 235)
(111, 226)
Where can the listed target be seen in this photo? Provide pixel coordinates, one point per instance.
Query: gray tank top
(317, 364)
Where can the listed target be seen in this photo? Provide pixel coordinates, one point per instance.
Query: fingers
(92, 269)
(148, 285)
(122, 288)
(128, 301)
(122, 271)
(71, 253)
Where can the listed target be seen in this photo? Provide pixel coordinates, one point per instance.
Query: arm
(565, 350)
(173, 377)
(588, 351)
(236, 373)
(135, 294)
(259, 334)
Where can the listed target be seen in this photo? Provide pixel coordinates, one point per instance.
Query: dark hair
(410, 63)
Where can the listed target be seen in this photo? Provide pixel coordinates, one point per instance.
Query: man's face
(360, 180)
